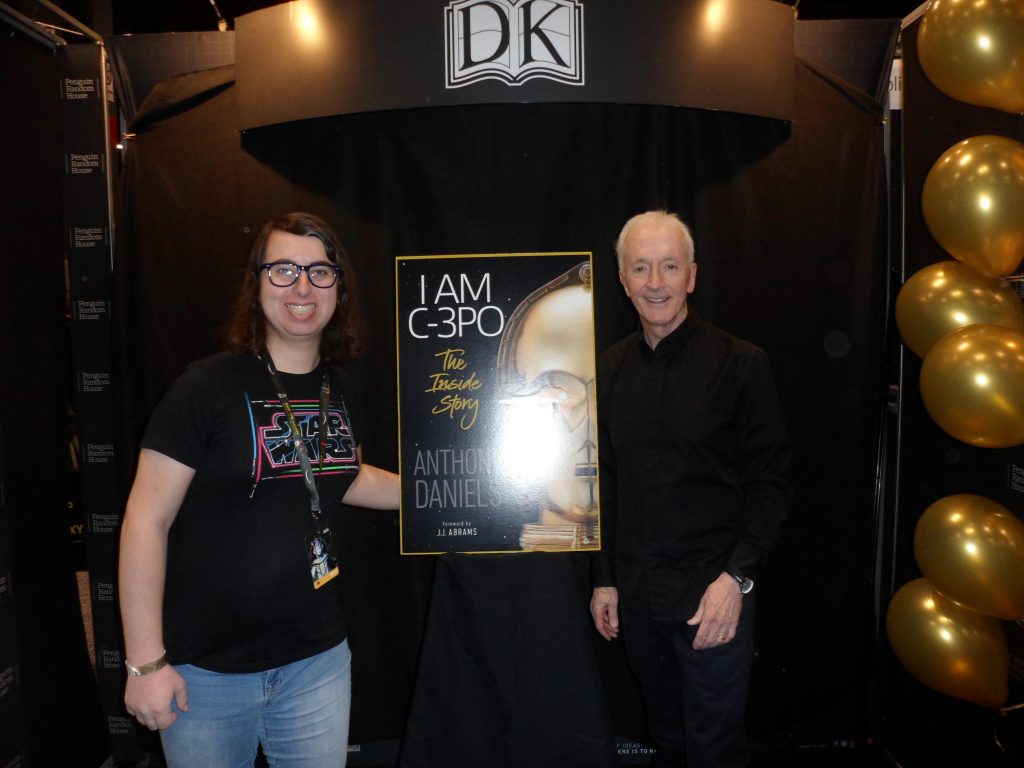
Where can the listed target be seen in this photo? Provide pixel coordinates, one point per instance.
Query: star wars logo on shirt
(276, 454)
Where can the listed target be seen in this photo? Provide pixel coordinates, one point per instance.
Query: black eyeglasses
(322, 274)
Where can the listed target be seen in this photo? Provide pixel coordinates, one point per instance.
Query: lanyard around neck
(296, 436)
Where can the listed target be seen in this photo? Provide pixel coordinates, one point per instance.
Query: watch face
(746, 583)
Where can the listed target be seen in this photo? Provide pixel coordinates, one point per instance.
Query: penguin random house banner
(497, 403)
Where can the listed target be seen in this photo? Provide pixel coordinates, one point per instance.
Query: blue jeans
(298, 712)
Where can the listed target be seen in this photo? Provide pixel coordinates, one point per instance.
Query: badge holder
(323, 566)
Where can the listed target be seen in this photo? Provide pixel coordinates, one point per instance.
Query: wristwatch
(746, 583)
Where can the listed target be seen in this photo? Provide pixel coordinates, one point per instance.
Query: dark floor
(383, 755)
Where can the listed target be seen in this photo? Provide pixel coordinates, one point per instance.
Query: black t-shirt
(239, 594)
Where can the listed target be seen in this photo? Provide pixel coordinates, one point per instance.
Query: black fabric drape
(789, 226)
(508, 675)
(48, 684)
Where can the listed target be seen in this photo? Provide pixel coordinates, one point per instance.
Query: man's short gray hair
(652, 217)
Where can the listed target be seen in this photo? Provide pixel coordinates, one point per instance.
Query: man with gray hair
(693, 464)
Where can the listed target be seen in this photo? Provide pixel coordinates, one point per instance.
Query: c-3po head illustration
(546, 375)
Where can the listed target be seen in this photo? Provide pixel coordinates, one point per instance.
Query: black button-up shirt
(693, 464)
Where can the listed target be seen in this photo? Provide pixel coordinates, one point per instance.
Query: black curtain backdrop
(52, 672)
(790, 232)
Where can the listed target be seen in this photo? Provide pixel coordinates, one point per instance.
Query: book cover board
(497, 408)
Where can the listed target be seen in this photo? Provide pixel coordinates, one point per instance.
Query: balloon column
(967, 324)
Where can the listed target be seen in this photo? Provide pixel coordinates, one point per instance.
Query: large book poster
(497, 406)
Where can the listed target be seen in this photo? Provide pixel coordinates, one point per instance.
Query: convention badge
(323, 566)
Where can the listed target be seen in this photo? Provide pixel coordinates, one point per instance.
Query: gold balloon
(951, 649)
(971, 549)
(973, 51)
(943, 297)
(973, 202)
(972, 385)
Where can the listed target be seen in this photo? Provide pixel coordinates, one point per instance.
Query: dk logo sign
(513, 41)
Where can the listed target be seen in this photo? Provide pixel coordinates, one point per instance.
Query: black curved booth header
(315, 58)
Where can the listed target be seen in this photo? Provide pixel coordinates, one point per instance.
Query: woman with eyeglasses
(234, 636)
